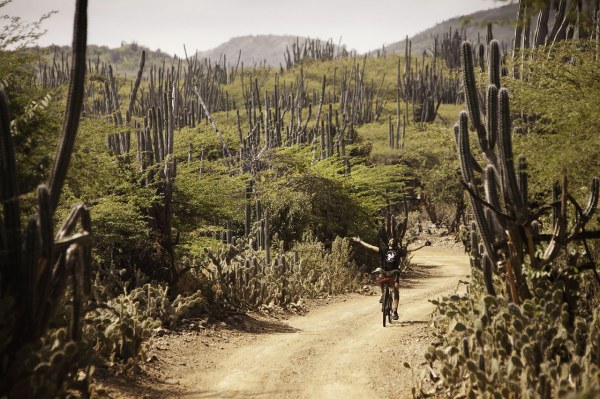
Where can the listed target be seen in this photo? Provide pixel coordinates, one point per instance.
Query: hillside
(255, 49)
(270, 49)
(258, 49)
(475, 24)
(124, 59)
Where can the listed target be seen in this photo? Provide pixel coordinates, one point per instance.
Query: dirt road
(339, 350)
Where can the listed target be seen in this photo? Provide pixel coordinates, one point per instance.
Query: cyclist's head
(392, 242)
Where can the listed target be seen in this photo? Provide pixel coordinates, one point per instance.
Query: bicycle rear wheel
(386, 304)
(389, 307)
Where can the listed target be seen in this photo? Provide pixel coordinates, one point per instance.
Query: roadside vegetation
(239, 193)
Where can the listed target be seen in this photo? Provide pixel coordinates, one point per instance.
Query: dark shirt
(390, 257)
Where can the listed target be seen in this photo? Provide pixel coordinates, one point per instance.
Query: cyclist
(390, 255)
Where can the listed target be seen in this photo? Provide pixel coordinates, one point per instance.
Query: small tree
(17, 33)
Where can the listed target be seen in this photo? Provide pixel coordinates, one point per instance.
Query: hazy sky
(204, 24)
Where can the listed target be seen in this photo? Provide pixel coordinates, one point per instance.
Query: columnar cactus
(35, 267)
(136, 86)
(507, 228)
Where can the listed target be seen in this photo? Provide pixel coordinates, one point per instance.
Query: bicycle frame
(385, 281)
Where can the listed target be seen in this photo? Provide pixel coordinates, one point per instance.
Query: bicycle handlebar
(386, 273)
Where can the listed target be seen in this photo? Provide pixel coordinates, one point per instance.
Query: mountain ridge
(270, 49)
(474, 24)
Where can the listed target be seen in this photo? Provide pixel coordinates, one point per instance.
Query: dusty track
(338, 350)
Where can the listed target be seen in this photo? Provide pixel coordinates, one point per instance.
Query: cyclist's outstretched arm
(427, 244)
(365, 244)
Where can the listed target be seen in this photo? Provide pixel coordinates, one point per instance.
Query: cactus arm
(136, 85)
(488, 268)
(482, 225)
(464, 151)
(471, 95)
(45, 224)
(494, 64)
(74, 104)
(559, 230)
(523, 180)
(492, 116)
(30, 260)
(491, 187)
(584, 215)
(532, 235)
(470, 188)
(511, 281)
(10, 238)
(592, 204)
(506, 154)
(493, 199)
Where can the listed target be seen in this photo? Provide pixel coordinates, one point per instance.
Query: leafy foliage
(16, 33)
(557, 104)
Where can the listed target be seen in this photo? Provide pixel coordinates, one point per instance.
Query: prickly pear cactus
(493, 347)
(242, 278)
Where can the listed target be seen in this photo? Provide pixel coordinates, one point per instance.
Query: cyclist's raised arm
(364, 244)
(427, 244)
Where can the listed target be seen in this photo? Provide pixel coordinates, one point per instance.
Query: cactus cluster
(55, 366)
(240, 277)
(494, 348)
(534, 334)
(448, 48)
(507, 229)
(103, 96)
(119, 330)
(38, 262)
(279, 117)
(157, 167)
(313, 49)
(424, 87)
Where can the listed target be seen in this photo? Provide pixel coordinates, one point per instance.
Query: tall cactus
(35, 271)
(506, 226)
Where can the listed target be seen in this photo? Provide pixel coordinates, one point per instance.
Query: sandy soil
(339, 349)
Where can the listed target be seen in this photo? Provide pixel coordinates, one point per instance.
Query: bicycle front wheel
(386, 307)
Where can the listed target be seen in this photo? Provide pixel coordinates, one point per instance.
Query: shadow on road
(404, 323)
(251, 324)
(417, 273)
(133, 387)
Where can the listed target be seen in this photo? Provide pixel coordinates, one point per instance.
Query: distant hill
(503, 19)
(124, 60)
(256, 49)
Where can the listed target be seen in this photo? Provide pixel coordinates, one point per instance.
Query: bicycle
(386, 280)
